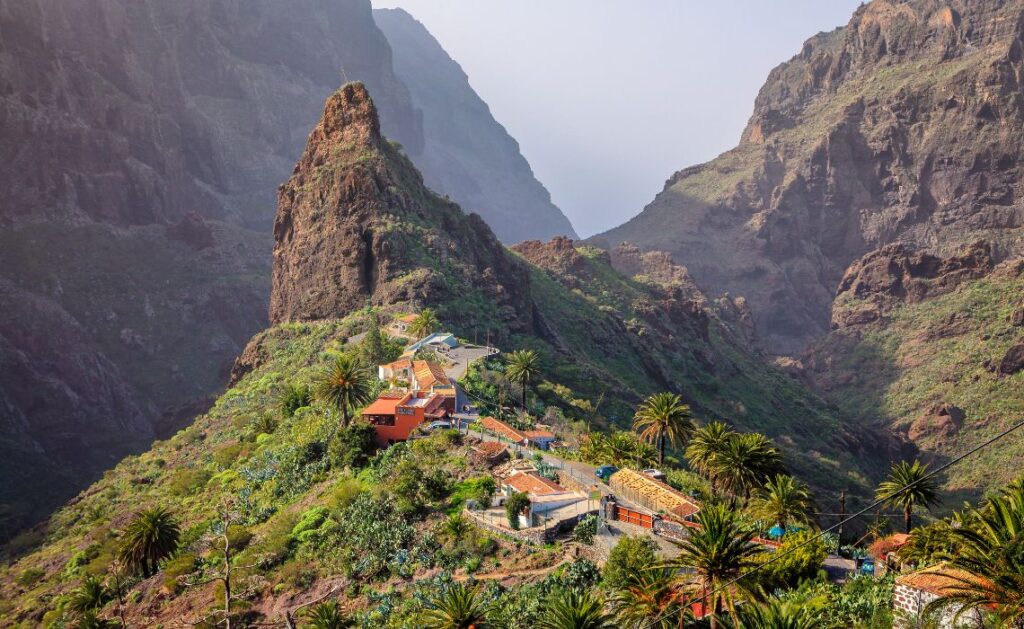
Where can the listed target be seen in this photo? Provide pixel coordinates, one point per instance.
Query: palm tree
(707, 443)
(777, 615)
(648, 600)
(90, 595)
(425, 323)
(783, 501)
(664, 418)
(344, 385)
(457, 607)
(455, 527)
(713, 556)
(569, 609)
(327, 615)
(919, 489)
(745, 462)
(523, 365)
(152, 535)
(987, 569)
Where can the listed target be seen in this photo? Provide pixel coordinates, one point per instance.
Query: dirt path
(502, 575)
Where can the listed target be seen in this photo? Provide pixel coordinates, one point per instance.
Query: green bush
(585, 530)
(182, 565)
(792, 563)
(353, 446)
(30, 576)
(515, 505)
(186, 481)
(630, 555)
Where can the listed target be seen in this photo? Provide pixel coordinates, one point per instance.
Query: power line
(880, 501)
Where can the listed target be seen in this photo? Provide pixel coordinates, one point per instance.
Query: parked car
(605, 472)
(655, 474)
(440, 425)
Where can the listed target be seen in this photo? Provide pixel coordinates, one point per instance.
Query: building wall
(908, 603)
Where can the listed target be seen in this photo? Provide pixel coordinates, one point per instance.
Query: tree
(907, 487)
(663, 418)
(987, 568)
(152, 535)
(220, 539)
(292, 399)
(783, 501)
(326, 615)
(715, 554)
(569, 609)
(523, 366)
(747, 460)
(344, 385)
(425, 323)
(515, 505)
(455, 527)
(458, 606)
(776, 614)
(647, 599)
(92, 594)
(708, 443)
(630, 555)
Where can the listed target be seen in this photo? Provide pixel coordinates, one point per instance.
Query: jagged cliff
(905, 125)
(356, 225)
(467, 154)
(143, 144)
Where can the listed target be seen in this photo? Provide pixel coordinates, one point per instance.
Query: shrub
(353, 446)
(186, 481)
(374, 530)
(585, 530)
(514, 506)
(581, 575)
(792, 564)
(30, 576)
(182, 565)
(629, 556)
(293, 398)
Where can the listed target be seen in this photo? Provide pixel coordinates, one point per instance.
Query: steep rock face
(896, 274)
(905, 125)
(356, 225)
(467, 154)
(926, 346)
(139, 112)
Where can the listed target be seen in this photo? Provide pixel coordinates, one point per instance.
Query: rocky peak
(356, 225)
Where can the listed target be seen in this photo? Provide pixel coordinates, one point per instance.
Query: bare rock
(941, 420)
(1013, 360)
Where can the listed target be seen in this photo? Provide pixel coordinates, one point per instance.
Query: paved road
(462, 357)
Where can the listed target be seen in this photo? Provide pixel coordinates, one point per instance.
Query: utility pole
(842, 514)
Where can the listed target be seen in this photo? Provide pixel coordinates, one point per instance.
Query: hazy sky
(608, 98)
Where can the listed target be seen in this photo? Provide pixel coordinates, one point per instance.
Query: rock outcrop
(897, 274)
(356, 225)
(466, 153)
(906, 126)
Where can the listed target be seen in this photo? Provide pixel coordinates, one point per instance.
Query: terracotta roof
(409, 318)
(502, 429)
(940, 579)
(401, 363)
(533, 484)
(653, 494)
(490, 449)
(384, 405)
(429, 374)
(539, 434)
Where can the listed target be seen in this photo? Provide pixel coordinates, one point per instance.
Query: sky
(608, 98)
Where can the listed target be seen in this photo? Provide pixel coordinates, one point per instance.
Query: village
(550, 495)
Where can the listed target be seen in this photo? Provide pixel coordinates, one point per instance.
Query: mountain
(143, 145)
(932, 348)
(904, 125)
(356, 227)
(467, 154)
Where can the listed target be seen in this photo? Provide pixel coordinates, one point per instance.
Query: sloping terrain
(466, 153)
(933, 348)
(143, 144)
(905, 125)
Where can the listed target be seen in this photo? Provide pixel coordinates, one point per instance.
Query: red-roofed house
(428, 376)
(396, 415)
(540, 438)
(914, 591)
(400, 326)
(400, 370)
(504, 431)
(546, 497)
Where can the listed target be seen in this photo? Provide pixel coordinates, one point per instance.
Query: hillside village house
(541, 439)
(440, 342)
(550, 503)
(654, 495)
(914, 591)
(396, 414)
(416, 375)
(401, 325)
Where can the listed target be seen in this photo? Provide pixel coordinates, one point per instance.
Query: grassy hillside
(945, 350)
